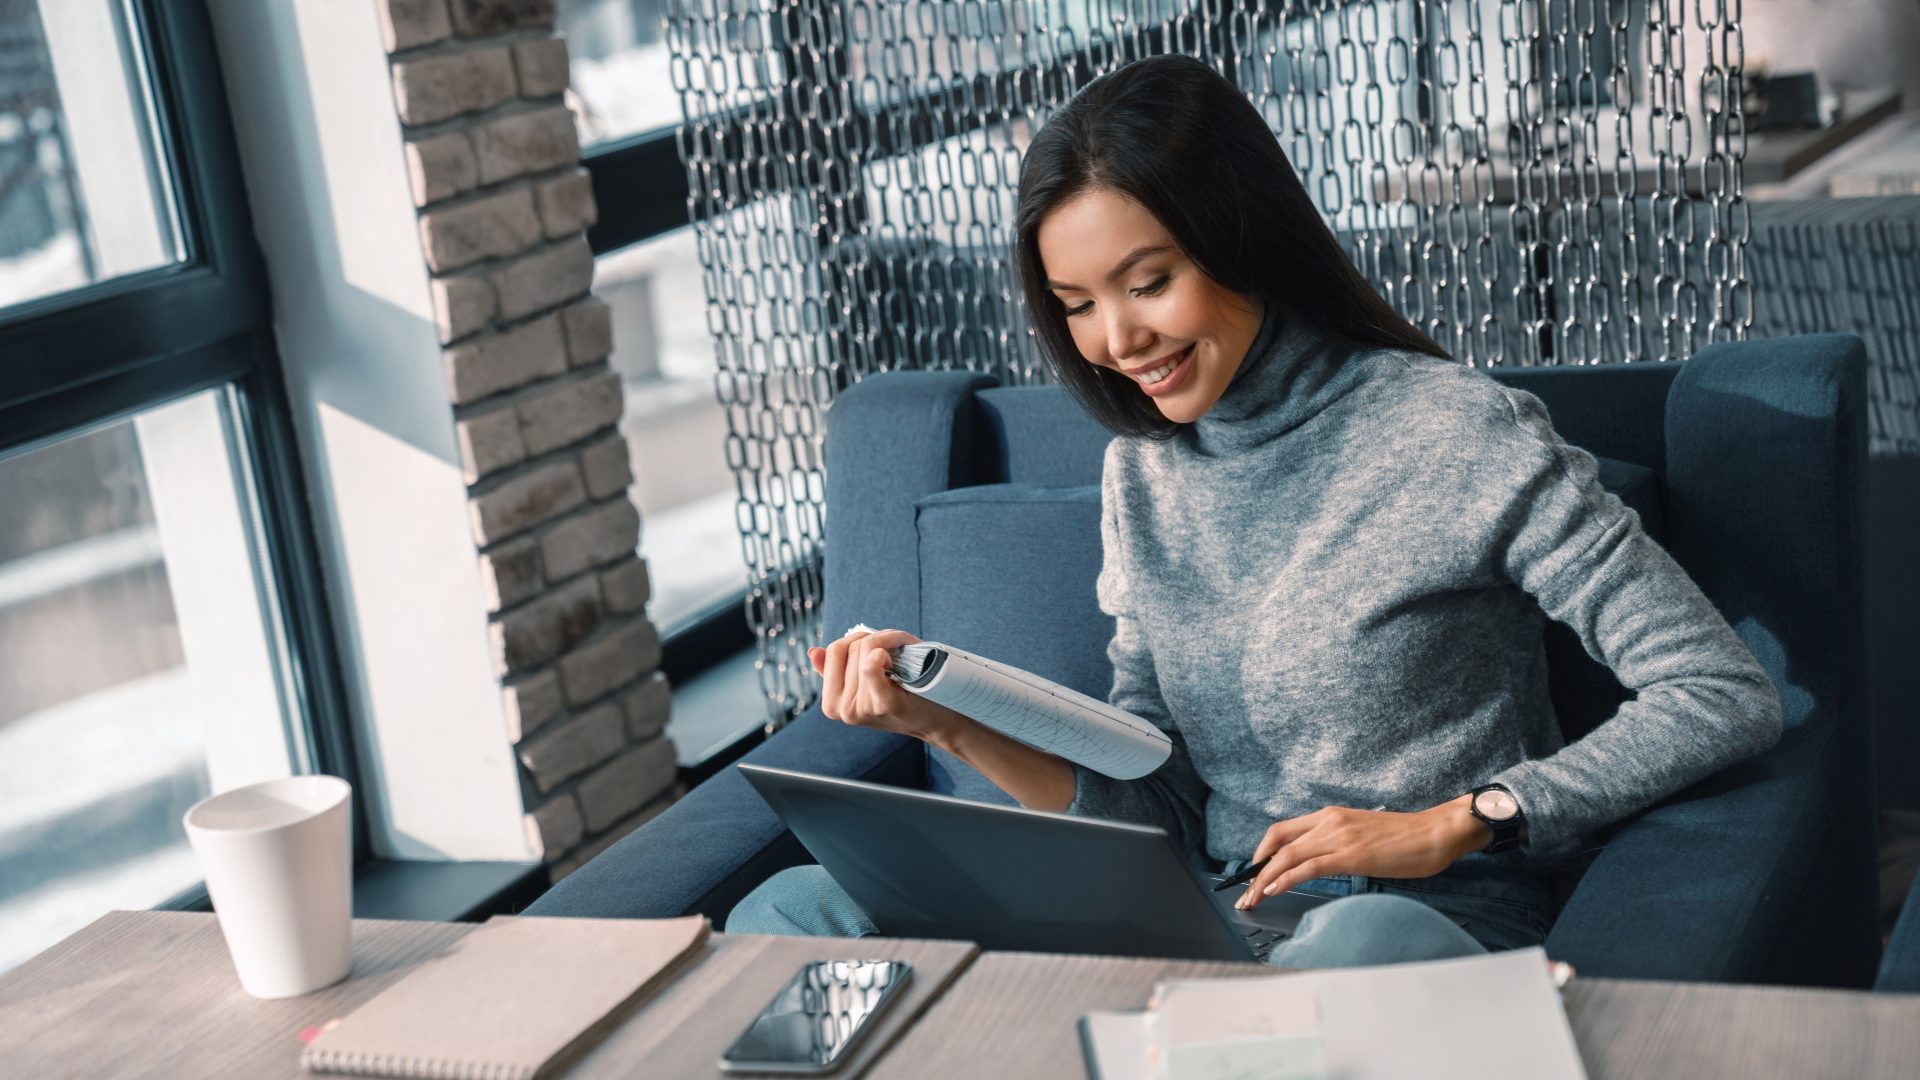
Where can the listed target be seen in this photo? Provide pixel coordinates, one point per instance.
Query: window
(629, 111)
(141, 663)
(675, 428)
(622, 82)
(161, 630)
(83, 197)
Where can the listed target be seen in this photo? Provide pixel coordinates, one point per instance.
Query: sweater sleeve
(1173, 797)
(1700, 700)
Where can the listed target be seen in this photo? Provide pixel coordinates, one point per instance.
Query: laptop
(932, 866)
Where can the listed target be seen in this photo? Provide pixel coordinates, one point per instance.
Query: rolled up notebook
(1034, 710)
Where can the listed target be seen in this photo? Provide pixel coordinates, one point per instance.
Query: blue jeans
(1374, 921)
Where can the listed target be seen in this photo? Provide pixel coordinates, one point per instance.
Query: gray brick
(435, 88)
(530, 703)
(648, 707)
(572, 746)
(626, 783)
(548, 277)
(589, 331)
(511, 573)
(440, 167)
(621, 654)
(526, 142)
(607, 466)
(486, 366)
(555, 826)
(601, 535)
(567, 411)
(408, 24)
(522, 502)
(490, 227)
(566, 204)
(574, 860)
(461, 305)
(475, 18)
(489, 442)
(546, 626)
(542, 67)
(625, 587)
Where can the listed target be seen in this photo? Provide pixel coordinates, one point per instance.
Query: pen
(1253, 871)
(1243, 876)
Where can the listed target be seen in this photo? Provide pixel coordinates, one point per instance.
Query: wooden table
(153, 994)
(1030, 1003)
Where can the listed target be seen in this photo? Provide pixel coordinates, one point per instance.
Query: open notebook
(515, 999)
(1036, 711)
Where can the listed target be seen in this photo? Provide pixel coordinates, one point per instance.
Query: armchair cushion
(1007, 571)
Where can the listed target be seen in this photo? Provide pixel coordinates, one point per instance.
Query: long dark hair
(1174, 136)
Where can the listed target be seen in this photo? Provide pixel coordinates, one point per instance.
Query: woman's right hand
(860, 692)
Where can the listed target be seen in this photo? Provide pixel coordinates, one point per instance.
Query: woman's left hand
(1376, 843)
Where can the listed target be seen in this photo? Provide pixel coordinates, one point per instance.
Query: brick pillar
(503, 203)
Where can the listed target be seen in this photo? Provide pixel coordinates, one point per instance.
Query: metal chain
(1531, 181)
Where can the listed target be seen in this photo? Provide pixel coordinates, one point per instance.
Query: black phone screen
(817, 1016)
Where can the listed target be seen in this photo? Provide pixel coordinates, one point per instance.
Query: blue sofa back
(1002, 559)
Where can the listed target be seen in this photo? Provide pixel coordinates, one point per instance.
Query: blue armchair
(1900, 967)
(969, 513)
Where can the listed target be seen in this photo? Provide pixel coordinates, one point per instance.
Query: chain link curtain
(1532, 181)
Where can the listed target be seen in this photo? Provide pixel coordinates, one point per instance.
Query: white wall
(320, 143)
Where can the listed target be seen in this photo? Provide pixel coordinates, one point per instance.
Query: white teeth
(1155, 376)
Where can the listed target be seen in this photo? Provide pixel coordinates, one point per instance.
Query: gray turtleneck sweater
(1329, 589)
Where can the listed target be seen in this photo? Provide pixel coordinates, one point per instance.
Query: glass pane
(621, 84)
(137, 671)
(623, 78)
(83, 194)
(676, 430)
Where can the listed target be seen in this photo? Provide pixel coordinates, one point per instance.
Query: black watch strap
(1506, 830)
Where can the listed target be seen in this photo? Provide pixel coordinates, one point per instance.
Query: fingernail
(1273, 889)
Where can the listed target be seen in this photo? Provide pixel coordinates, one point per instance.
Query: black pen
(1243, 876)
(1253, 871)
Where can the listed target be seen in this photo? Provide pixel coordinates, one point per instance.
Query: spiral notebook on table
(1035, 710)
(514, 1000)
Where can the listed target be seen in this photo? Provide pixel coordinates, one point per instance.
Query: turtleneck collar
(1293, 369)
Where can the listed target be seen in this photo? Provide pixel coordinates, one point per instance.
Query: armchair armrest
(1765, 872)
(1699, 887)
(1900, 967)
(705, 852)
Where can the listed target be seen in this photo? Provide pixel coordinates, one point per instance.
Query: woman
(1327, 550)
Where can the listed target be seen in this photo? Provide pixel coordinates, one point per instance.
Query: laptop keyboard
(1261, 939)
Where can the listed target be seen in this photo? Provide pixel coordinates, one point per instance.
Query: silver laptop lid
(927, 865)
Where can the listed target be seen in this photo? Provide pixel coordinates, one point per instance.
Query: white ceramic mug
(278, 860)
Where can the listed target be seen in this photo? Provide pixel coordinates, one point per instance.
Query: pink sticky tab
(310, 1033)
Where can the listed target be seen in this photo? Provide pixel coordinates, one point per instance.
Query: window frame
(99, 354)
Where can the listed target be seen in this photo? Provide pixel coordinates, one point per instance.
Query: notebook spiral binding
(328, 1061)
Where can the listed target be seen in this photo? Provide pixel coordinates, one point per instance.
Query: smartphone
(818, 1017)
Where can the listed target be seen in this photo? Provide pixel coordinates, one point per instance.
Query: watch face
(1496, 804)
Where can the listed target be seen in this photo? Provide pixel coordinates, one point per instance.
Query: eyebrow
(1122, 267)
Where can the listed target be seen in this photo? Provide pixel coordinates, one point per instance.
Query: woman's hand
(859, 691)
(1376, 843)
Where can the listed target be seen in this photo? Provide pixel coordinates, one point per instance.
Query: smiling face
(1135, 304)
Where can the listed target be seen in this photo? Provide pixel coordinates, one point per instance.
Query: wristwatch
(1496, 806)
